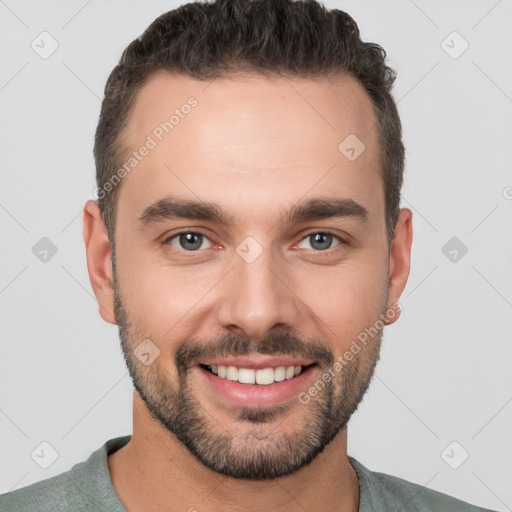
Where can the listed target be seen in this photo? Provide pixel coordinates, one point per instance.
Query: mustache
(276, 343)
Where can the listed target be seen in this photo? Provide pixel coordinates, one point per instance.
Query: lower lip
(257, 395)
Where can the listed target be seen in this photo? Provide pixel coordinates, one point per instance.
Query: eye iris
(187, 238)
(324, 241)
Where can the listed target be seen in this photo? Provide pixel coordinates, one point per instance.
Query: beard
(258, 450)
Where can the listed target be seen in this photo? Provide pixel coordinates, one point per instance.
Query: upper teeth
(264, 376)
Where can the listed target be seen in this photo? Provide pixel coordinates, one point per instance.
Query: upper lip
(257, 361)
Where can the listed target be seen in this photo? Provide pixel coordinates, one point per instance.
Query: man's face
(262, 290)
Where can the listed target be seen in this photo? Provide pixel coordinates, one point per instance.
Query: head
(249, 166)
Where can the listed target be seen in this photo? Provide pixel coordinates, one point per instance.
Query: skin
(272, 143)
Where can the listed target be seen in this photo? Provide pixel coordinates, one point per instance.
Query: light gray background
(445, 369)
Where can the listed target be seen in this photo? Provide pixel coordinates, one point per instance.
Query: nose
(258, 297)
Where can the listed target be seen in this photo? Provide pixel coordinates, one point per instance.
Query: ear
(399, 261)
(99, 260)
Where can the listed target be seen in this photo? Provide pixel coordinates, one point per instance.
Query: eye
(322, 240)
(190, 241)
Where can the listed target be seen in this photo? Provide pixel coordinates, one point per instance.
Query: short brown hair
(207, 40)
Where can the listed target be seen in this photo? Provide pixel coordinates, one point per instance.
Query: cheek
(163, 301)
(348, 300)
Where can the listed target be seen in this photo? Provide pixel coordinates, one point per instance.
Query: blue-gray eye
(189, 241)
(321, 241)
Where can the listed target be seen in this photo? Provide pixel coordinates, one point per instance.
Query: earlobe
(99, 260)
(399, 262)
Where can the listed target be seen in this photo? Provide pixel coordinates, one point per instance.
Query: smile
(257, 380)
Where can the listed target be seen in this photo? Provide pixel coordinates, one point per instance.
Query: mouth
(259, 381)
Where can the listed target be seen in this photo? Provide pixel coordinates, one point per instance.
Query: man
(249, 243)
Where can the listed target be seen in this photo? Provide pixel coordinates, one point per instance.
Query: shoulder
(59, 493)
(85, 487)
(380, 491)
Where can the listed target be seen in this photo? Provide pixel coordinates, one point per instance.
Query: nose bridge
(257, 297)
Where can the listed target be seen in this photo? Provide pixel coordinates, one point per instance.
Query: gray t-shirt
(87, 487)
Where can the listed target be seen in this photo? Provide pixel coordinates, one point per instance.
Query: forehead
(264, 140)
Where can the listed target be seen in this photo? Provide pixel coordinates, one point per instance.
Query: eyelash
(342, 242)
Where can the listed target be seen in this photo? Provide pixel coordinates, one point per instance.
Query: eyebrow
(313, 209)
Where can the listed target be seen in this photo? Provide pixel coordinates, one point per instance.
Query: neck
(154, 471)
